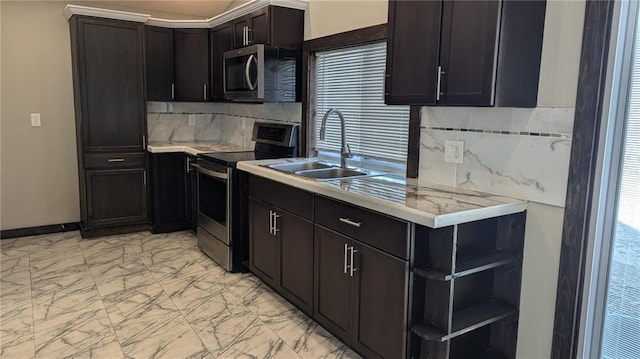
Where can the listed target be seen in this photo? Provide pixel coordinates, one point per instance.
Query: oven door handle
(210, 173)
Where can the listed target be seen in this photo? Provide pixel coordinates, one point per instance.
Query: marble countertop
(431, 205)
(194, 148)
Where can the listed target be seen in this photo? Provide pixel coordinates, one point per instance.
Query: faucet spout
(345, 152)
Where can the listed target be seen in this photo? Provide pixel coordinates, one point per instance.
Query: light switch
(35, 120)
(453, 151)
(192, 120)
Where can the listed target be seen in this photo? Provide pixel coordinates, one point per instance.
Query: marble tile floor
(143, 296)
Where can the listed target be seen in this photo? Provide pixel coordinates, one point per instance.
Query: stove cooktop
(229, 159)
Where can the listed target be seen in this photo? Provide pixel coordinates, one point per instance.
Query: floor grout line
(113, 329)
(241, 290)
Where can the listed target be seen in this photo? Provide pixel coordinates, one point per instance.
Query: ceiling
(194, 9)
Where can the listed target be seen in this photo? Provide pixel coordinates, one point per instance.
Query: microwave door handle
(247, 74)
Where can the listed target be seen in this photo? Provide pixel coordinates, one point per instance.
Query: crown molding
(71, 10)
(178, 24)
(251, 6)
(232, 14)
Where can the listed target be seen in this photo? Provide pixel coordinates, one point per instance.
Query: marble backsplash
(515, 152)
(228, 122)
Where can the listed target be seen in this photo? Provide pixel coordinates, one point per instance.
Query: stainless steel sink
(297, 167)
(320, 171)
(332, 173)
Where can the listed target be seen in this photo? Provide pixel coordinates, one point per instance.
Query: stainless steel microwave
(260, 73)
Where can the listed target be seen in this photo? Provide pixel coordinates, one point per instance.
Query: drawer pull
(115, 160)
(350, 222)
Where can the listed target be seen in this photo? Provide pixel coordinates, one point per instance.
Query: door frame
(583, 175)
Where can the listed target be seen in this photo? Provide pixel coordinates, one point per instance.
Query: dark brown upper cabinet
(221, 41)
(109, 86)
(159, 62)
(271, 25)
(191, 48)
(466, 53)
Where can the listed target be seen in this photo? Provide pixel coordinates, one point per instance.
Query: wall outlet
(35, 120)
(453, 151)
(192, 120)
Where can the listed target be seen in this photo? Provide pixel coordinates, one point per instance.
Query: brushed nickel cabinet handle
(275, 223)
(173, 91)
(346, 249)
(439, 74)
(351, 266)
(144, 142)
(270, 222)
(350, 222)
(205, 92)
(115, 160)
(144, 178)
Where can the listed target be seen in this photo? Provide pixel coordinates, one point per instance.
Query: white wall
(328, 17)
(39, 175)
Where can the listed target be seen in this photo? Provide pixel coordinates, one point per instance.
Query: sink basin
(335, 173)
(320, 171)
(297, 167)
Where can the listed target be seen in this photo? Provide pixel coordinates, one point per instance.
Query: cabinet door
(259, 27)
(263, 244)
(380, 303)
(332, 304)
(221, 41)
(239, 33)
(159, 63)
(296, 253)
(191, 64)
(167, 192)
(116, 197)
(412, 52)
(468, 52)
(111, 84)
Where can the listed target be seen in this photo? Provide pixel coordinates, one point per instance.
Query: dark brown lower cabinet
(361, 294)
(386, 287)
(116, 197)
(168, 192)
(332, 307)
(379, 303)
(263, 244)
(281, 252)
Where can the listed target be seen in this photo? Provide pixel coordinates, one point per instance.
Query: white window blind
(351, 80)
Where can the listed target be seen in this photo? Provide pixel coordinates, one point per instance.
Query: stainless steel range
(221, 204)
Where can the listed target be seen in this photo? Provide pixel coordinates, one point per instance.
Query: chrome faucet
(345, 151)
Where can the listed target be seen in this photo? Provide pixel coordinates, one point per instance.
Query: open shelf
(466, 320)
(485, 261)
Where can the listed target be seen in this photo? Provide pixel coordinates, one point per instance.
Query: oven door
(214, 189)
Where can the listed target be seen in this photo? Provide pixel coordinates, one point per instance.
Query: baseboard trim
(34, 231)
(108, 231)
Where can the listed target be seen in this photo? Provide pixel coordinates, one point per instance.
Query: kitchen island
(391, 268)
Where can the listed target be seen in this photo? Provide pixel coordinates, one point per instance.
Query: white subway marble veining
(522, 164)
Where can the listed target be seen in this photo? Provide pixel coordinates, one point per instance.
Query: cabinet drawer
(375, 229)
(280, 195)
(114, 160)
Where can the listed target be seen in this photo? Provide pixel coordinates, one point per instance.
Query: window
(351, 80)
